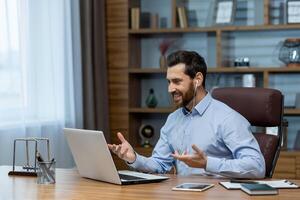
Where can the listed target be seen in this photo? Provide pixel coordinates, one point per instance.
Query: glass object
(162, 62)
(289, 53)
(164, 46)
(46, 172)
(151, 100)
(248, 80)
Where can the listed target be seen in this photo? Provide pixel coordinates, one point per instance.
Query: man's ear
(199, 79)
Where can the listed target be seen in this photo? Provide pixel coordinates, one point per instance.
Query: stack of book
(259, 187)
(143, 19)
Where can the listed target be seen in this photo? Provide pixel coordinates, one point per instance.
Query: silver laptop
(94, 161)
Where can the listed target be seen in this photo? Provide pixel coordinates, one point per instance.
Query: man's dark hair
(194, 63)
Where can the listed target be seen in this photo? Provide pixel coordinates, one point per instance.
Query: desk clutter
(261, 187)
(258, 189)
(44, 170)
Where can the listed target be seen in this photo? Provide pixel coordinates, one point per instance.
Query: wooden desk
(71, 186)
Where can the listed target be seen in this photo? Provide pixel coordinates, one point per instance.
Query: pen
(289, 182)
(241, 181)
(51, 162)
(44, 167)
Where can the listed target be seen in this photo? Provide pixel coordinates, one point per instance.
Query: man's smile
(177, 96)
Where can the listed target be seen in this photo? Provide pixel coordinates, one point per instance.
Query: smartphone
(198, 187)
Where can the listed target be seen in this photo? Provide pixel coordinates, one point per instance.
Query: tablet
(193, 187)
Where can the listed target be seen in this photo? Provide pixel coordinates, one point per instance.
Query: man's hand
(123, 150)
(196, 160)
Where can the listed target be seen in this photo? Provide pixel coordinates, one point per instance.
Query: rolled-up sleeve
(160, 161)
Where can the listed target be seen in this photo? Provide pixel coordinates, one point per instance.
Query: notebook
(279, 184)
(258, 189)
(94, 161)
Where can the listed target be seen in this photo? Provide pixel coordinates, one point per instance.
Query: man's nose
(171, 88)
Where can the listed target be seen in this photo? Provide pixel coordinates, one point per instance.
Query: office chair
(262, 107)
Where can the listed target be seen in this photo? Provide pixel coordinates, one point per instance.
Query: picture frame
(293, 11)
(225, 10)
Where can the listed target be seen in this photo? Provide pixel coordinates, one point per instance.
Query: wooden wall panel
(117, 62)
(118, 52)
(288, 165)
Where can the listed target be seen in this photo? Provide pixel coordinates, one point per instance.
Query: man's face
(180, 85)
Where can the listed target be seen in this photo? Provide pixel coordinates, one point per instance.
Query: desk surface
(70, 185)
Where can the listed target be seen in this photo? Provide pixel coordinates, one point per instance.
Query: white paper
(275, 184)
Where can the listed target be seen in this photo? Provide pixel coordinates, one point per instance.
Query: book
(258, 189)
(192, 18)
(145, 20)
(135, 18)
(154, 21)
(182, 17)
(185, 19)
(279, 184)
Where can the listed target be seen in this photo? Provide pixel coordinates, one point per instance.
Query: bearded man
(203, 136)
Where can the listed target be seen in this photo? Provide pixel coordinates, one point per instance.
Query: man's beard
(186, 98)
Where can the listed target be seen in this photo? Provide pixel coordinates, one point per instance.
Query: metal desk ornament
(27, 169)
(146, 133)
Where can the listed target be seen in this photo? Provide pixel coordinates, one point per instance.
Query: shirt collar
(201, 106)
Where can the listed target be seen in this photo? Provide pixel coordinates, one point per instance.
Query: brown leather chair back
(261, 107)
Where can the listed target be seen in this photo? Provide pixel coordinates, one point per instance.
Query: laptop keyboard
(130, 177)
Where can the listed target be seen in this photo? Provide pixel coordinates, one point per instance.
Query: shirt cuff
(212, 164)
(137, 161)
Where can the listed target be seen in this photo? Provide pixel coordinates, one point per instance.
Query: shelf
(254, 70)
(214, 29)
(151, 110)
(223, 70)
(290, 152)
(287, 111)
(285, 70)
(146, 70)
(292, 111)
(261, 27)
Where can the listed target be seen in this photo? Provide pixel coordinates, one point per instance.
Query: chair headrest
(260, 106)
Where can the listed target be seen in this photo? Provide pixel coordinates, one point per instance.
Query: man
(203, 135)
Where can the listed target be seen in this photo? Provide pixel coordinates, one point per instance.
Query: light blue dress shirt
(222, 133)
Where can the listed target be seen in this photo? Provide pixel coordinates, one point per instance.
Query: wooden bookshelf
(292, 111)
(151, 110)
(287, 111)
(147, 70)
(156, 70)
(214, 29)
(125, 58)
